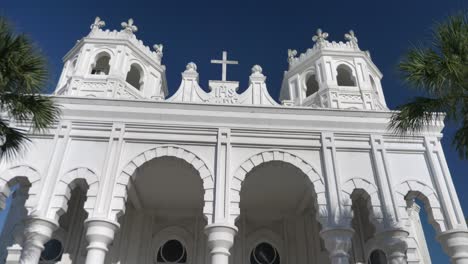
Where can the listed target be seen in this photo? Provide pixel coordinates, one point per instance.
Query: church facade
(131, 175)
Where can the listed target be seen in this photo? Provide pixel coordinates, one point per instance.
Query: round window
(172, 252)
(264, 253)
(53, 250)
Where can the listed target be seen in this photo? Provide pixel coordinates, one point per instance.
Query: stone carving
(257, 70)
(291, 55)
(320, 38)
(129, 26)
(351, 37)
(159, 49)
(224, 94)
(191, 67)
(98, 23)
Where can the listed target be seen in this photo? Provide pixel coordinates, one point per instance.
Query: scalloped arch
(277, 155)
(119, 197)
(415, 189)
(373, 200)
(11, 176)
(65, 186)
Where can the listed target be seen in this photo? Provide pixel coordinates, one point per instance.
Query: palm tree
(440, 70)
(23, 74)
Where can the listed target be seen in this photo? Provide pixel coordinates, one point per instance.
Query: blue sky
(253, 32)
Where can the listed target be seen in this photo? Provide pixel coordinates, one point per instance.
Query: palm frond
(14, 141)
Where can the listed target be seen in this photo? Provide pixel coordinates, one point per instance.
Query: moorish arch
(369, 193)
(24, 174)
(318, 185)
(413, 189)
(123, 182)
(67, 183)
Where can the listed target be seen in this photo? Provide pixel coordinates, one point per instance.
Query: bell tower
(333, 75)
(113, 64)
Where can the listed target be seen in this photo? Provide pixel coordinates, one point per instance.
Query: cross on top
(129, 26)
(224, 62)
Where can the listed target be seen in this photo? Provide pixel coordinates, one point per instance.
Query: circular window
(172, 252)
(53, 250)
(264, 253)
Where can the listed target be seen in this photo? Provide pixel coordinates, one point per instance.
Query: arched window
(173, 251)
(344, 76)
(311, 85)
(71, 68)
(101, 65)
(377, 257)
(135, 76)
(52, 252)
(264, 253)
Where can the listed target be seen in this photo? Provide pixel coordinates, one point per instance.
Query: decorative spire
(159, 49)
(98, 23)
(129, 26)
(291, 55)
(351, 37)
(320, 37)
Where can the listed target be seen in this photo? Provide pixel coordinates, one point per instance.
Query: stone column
(99, 233)
(37, 232)
(394, 244)
(220, 241)
(455, 244)
(338, 242)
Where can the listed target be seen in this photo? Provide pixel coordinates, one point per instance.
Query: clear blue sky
(253, 32)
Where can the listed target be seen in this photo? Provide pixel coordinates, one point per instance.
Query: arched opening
(12, 217)
(345, 76)
(312, 85)
(101, 64)
(68, 243)
(374, 86)
(164, 193)
(71, 68)
(135, 76)
(278, 197)
(363, 227)
(377, 257)
(425, 230)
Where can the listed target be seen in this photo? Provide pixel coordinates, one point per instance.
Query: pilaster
(223, 150)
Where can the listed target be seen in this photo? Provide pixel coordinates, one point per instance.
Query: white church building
(131, 175)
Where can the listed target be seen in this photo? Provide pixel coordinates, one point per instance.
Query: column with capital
(99, 233)
(220, 241)
(36, 233)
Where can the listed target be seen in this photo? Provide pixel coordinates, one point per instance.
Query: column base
(455, 244)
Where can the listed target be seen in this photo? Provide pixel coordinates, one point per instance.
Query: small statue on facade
(159, 49)
(320, 37)
(351, 37)
(291, 55)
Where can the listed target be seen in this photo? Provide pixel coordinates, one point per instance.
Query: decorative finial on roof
(191, 67)
(351, 37)
(129, 26)
(98, 23)
(158, 48)
(320, 37)
(291, 55)
(257, 70)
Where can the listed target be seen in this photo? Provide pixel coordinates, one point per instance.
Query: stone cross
(129, 26)
(224, 63)
(98, 23)
(351, 37)
(320, 37)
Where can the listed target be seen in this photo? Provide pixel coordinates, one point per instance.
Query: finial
(320, 37)
(351, 37)
(291, 55)
(98, 23)
(158, 48)
(129, 26)
(191, 66)
(257, 69)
